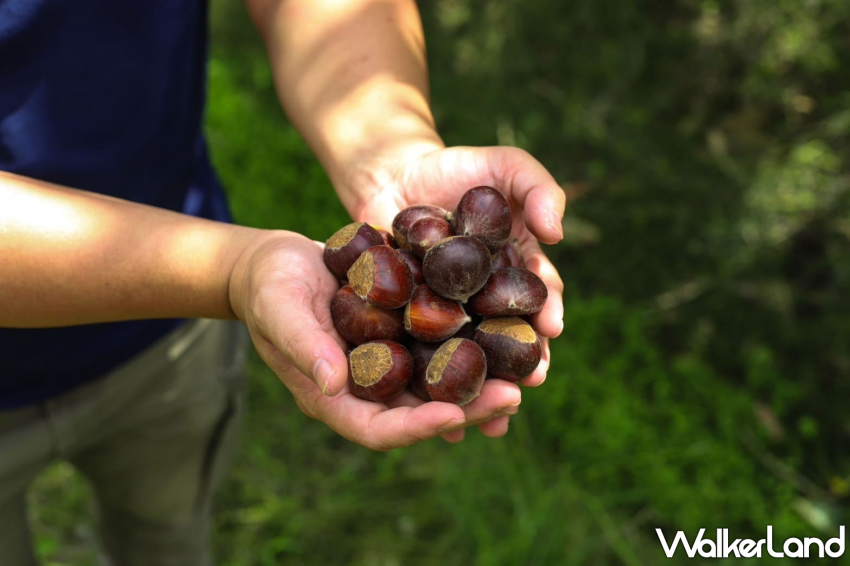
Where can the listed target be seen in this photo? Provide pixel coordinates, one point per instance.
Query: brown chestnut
(500, 260)
(510, 291)
(456, 372)
(358, 321)
(421, 352)
(457, 267)
(428, 317)
(484, 212)
(513, 251)
(381, 276)
(405, 219)
(426, 232)
(511, 345)
(345, 246)
(387, 237)
(415, 266)
(379, 370)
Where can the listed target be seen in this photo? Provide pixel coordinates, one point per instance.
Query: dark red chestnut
(484, 212)
(381, 276)
(415, 266)
(388, 238)
(428, 317)
(405, 219)
(421, 352)
(511, 345)
(513, 251)
(457, 267)
(345, 246)
(426, 232)
(510, 291)
(509, 255)
(500, 260)
(456, 372)
(358, 321)
(379, 370)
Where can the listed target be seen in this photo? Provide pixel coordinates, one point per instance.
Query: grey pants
(153, 437)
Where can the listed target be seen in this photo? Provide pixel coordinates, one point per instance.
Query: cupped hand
(281, 289)
(440, 176)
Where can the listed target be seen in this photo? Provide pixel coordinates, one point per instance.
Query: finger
(538, 376)
(379, 427)
(550, 320)
(299, 336)
(455, 436)
(528, 183)
(497, 398)
(495, 428)
(403, 426)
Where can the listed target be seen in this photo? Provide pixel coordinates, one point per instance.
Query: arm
(352, 77)
(72, 257)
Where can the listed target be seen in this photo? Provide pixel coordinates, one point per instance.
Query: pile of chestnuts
(437, 305)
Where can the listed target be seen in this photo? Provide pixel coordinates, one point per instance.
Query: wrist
(378, 171)
(246, 253)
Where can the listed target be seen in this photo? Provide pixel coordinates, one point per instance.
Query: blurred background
(703, 376)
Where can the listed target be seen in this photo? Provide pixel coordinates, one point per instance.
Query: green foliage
(702, 377)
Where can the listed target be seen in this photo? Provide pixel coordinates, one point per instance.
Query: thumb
(302, 340)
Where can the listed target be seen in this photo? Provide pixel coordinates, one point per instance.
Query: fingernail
(323, 372)
(555, 222)
(449, 426)
(507, 410)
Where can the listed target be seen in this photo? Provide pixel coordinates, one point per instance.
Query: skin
(351, 75)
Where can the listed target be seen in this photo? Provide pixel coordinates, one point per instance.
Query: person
(121, 276)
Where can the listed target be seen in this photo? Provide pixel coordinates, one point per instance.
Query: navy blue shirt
(106, 96)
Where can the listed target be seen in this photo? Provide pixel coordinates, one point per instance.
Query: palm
(441, 177)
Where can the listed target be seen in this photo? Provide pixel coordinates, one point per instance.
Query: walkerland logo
(748, 548)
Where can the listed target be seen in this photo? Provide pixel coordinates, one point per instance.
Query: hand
(281, 289)
(441, 176)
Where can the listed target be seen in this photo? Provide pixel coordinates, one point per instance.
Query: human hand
(281, 289)
(440, 176)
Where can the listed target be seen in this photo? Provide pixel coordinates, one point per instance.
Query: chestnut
(513, 251)
(379, 370)
(381, 276)
(421, 352)
(511, 346)
(484, 212)
(426, 232)
(405, 219)
(428, 317)
(500, 259)
(456, 372)
(387, 237)
(345, 246)
(358, 321)
(415, 266)
(510, 291)
(457, 267)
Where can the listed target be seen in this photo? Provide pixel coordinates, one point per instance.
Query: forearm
(352, 76)
(71, 257)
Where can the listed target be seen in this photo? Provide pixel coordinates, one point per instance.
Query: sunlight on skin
(73, 257)
(58, 219)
